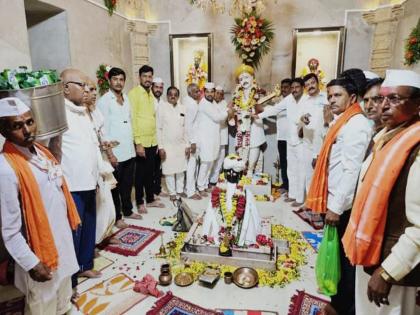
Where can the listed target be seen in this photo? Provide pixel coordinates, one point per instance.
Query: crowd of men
(349, 158)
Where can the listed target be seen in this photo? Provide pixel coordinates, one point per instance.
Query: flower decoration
(252, 36)
(412, 46)
(102, 76)
(111, 5)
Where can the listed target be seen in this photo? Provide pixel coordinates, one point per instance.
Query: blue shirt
(117, 125)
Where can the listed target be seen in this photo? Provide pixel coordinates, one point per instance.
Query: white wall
(49, 43)
(14, 45)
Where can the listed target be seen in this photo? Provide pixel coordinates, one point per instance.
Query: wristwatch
(385, 275)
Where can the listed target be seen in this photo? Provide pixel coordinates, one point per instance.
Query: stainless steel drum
(47, 104)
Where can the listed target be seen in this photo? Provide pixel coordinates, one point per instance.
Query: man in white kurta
(207, 127)
(292, 104)
(53, 295)
(191, 105)
(172, 142)
(310, 119)
(224, 136)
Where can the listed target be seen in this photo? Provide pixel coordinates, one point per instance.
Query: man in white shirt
(174, 148)
(219, 99)
(157, 90)
(191, 105)
(207, 127)
(292, 104)
(115, 108)
(37, 214)
(310, 120)
(338, 166)
(80, 166)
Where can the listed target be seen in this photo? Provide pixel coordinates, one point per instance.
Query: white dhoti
(59, 304)
(204, 175)
(251, 225)
(306, 165)
(217, 166)
(402, 300)
(175, 183)
(295, 172)
(190, 186)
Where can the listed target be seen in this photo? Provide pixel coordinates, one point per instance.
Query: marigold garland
(288, 266)
(412, 46)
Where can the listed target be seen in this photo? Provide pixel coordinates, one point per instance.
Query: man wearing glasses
(383, 234)
(80, 149)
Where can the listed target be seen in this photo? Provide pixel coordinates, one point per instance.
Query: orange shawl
(38, 231)
(318, 191)
(364, 234)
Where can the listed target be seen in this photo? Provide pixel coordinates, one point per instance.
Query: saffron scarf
(318, 191)
(365, 232)
(38, 231)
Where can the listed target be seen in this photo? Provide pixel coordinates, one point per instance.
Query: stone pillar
(139, 47)
(385, 22)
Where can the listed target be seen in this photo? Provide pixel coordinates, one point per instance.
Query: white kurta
(224, 134)
(207, 128)
(172, 137)
(11, 227)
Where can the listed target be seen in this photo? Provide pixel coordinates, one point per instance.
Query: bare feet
(203, 193)
(90, 274)
(163, 194)
(142, 208)
(195, 197)
(121, 224)
(155, 204)
(74, 296)
(134, 216)
(183, 195)
(208, 189)
(114, 241)
(172, 198)
(96, 253)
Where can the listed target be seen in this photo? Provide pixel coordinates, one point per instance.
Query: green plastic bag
(327, 267)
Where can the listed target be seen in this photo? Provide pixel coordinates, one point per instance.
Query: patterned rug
(133, 240)
(308, 218)
(99, 264)
(15, 306)
(172, 305)
(246, 312)
(313, 238)
(112, 296)
(303, 303)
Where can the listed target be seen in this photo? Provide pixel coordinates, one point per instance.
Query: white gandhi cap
(209, 86)
(401, 78)
(12, 106)
(157, 80)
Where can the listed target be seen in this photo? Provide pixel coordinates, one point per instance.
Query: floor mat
(15, 306)
(314, 238)
(303, 303)
(246, 312)
(99, 264)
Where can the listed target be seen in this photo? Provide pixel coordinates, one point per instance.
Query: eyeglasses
(81, 84)
(393, 99)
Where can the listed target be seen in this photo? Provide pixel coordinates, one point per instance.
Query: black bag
(184, 217)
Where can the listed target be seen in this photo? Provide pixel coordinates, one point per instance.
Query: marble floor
(222, 295)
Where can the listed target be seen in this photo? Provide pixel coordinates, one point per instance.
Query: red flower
(106, 74)
(100, 81)
(412, 40)
(409, 54)
(215, 197)
(114, 2)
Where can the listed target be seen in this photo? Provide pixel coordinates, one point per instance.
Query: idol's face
(232, 176)
(157, 89)
(209, 94)
(397, 105)
(313, 64)
(245, 80)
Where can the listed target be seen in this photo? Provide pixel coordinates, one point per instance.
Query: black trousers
(282, 147)
(344, 301)
(124, 174)
(157, 177)
(145, 170)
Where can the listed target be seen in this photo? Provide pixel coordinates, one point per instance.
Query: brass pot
(165, 278)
